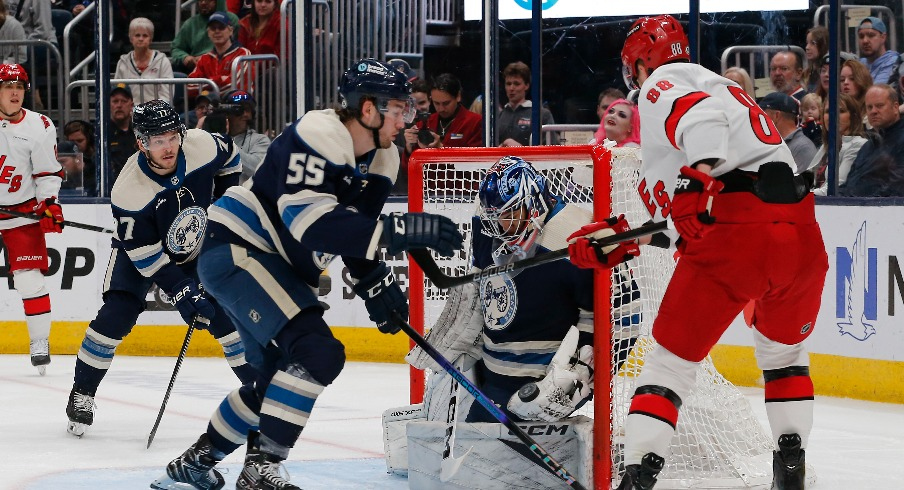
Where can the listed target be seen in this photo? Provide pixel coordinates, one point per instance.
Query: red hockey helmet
(655, 41)
(14, 73)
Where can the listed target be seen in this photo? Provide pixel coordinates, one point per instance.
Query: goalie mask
(655, 41)
(514, 202)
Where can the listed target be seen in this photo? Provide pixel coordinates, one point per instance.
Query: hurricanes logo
(500, 301)
(185, 234)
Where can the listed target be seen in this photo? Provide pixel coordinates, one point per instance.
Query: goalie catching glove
(405, 231)
(587, 254)
(382, 297)
(568, 382)
(693, 202)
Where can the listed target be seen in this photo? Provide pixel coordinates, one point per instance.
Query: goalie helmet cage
(719, 443)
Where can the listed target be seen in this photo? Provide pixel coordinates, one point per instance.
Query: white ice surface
(854, 444)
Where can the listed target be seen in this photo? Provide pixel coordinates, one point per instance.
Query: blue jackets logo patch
(185, 234)
(500, 301)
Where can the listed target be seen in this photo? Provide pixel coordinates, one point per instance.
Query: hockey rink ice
(854, 445)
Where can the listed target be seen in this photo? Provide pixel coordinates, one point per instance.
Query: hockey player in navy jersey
(317, 194)
(716, 166)
(30, 180)
(160, 202)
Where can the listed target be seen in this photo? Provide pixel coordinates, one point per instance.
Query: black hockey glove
(382, 297)
(404, 231)
(191, 300)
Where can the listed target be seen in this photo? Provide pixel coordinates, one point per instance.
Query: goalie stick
(73, 224)
(433, 272)
(537, 451)
(172, 381)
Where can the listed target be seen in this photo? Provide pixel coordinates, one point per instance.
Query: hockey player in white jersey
(30, 178)
(160, 203)
(317, 194)
(715, 165)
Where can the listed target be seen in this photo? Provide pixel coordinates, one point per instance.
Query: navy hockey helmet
(514, 202)
(155, 117)
(372, 78)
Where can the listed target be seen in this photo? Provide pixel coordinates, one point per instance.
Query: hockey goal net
(719, 442)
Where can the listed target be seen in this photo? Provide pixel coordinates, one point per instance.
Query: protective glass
(406, 111)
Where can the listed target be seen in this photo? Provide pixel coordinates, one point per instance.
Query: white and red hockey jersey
(687, 114)
(29, 170)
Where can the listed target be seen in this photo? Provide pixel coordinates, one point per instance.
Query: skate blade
(77, 429)
(167, 483)
(42, 370)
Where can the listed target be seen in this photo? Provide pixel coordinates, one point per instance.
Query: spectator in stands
(816, 49)
(822, 90)
(621, 124)
(853, 137)
(811, 118)
(203, 106)
(73, 163)
(217, 63)
(855, 80)
(513, 124)
(192, 41)
(122, 143)
(239, 107)
(34, 15)
(420, 92)
(11, 30)
(786, 72)
(740, 76)
(259, 31)
(880, 61)
(783, 110)
(144, 62)
(240, 8)
(603, 100)
(452, 125)
(878, 170)
(81, 134)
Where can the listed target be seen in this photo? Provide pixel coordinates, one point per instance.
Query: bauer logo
(856, 288)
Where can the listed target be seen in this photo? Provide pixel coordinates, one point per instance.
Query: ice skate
(40, 354)
(262, 471)
(788, 466)
(193, 470)
(80, 411)
(642, 476)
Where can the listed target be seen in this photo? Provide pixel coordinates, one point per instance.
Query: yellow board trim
(848, 377)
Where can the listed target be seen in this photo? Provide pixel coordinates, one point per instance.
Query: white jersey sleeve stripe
(301, 210)
(149, 259)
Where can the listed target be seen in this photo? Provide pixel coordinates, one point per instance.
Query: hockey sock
(789, 402)
(287, 404)
(94, 359)
(36, 301)
(234, 351)
(236, 415)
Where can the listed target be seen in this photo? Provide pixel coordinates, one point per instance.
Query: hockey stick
(551, 464)
(450, 464)
(19, 214)
(172, 381)
(443, 281)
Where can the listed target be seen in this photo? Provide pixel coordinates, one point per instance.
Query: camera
(215, 122)
(424, 135)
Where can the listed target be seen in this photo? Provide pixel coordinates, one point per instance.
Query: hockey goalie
(525, 338)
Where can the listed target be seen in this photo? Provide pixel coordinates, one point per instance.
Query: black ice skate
(40, 354)
(80, 411)
(262, 471)
(193, 470)
(788, 466)
(642, 476)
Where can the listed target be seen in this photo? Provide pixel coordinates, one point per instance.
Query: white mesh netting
(719, 442)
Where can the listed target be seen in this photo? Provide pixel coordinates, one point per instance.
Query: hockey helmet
(14, 73)
(655, 41)
(372, 78)
(514, 202)
(155, 117)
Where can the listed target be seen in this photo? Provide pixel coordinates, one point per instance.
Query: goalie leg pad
(457, 331)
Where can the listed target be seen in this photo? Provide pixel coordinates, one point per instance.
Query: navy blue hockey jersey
(311, 199)
(162, 220)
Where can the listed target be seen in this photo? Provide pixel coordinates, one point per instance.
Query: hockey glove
(404, 231)
(568, 382)
(190, 300)
(382, 297)
(693, 202)
(587, 254)
(51, 214)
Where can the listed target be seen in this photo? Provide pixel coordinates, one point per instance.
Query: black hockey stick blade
(73, 224)
(443, 281)
(172, 381)
(542, 455)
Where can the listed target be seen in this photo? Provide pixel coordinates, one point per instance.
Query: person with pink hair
(621, 124)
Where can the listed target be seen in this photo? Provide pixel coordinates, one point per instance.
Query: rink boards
(857, 344)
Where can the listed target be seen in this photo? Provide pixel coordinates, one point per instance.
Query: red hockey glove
(693, 201)
(586, 253)
(51, 214)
